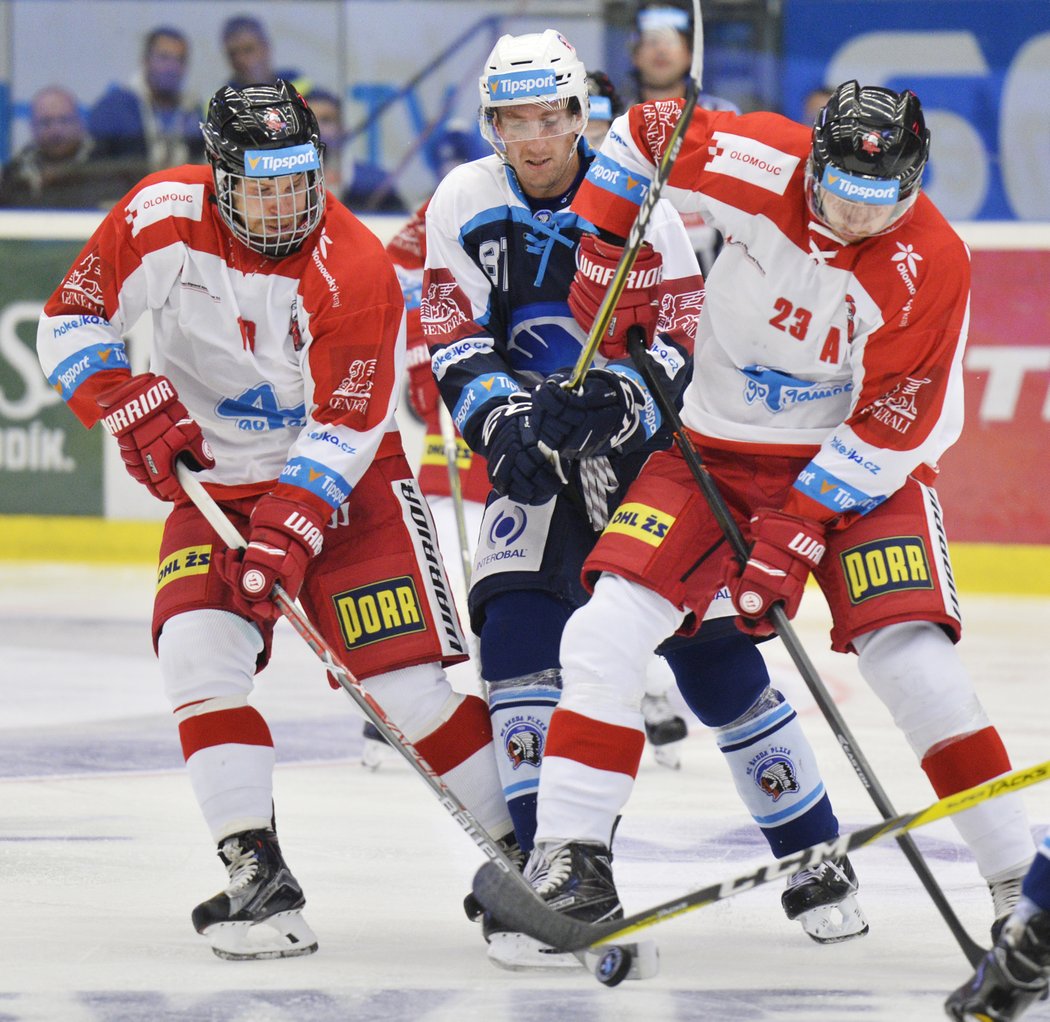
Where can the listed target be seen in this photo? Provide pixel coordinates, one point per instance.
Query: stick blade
(509, 898)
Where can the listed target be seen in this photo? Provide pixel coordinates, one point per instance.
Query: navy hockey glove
(603, 415)
(518, 467)
(152, 427)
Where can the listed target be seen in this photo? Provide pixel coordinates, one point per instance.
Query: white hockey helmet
(538, 68)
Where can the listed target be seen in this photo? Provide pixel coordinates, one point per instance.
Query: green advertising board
(49, 464)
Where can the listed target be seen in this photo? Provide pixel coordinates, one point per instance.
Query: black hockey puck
(613, 965)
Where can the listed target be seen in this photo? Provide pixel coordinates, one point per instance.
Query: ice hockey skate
(665, 731)
(1006, 893)
(822, 899)
(259, 915)
(575, 878)
(1012, 976)
(376, 748)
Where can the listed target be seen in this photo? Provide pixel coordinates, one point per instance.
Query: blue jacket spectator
(151, 118)
(363, 187)
(247, 46)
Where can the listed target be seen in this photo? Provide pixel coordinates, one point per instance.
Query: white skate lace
(1005, 895)
(243, 865)
(815, 873)
(549, 871)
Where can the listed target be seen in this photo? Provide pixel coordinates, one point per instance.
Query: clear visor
(272, 215)
(854, 219)
(503, 125)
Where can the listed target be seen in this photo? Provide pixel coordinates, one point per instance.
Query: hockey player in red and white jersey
(278, 350)
(827, 382)
(503, 246)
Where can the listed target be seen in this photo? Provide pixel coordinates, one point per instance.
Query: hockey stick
(633, 243)
(455, 486)
(636, 347)
(561, 931)
(291, 610)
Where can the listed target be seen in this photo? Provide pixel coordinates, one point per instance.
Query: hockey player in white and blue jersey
(502, 249)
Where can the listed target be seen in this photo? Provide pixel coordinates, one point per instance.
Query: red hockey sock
(961, 763)
(595, 744)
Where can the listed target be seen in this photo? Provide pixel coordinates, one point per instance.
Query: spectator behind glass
(662, 53)
(453, 144)
(248, 50)
(151, 118)
(58, 168)
(363, 187)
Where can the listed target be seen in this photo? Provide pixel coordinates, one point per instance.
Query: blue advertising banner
(981, 69)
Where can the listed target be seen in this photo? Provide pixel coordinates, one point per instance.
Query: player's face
(541, 147)
(855, 221)
(272, 207)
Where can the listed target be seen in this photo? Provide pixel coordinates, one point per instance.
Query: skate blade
(284, 935)
(518, 952)
(374, 754)
(669, 756)
(833, 924)
(645, 959)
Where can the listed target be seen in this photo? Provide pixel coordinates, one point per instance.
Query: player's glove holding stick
(152, 427)
(786, 549)
(284, 536)
(638, 304)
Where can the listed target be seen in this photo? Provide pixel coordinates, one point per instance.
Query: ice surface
(103, 853)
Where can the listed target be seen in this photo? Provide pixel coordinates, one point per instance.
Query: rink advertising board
(989, 486)
(980, 70)
(49, 464)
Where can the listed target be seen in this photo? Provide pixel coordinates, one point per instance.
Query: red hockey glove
(422, 387)
(152, 427)
(596, 261)
(283, 537)
(786, 549)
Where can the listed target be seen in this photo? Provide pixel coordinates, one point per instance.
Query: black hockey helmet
(870, 146)
(264, 146)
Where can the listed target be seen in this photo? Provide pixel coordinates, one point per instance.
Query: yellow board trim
(81, 539)
(979, 567)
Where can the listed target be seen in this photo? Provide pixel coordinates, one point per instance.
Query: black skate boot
(664, 730)
(822, 898)
(259, 915)
(575, 878)
(473, 908)
(1012, 976)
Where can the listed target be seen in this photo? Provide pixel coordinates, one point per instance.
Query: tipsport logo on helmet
(278, 162)
(861, 189)
(522, 85)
